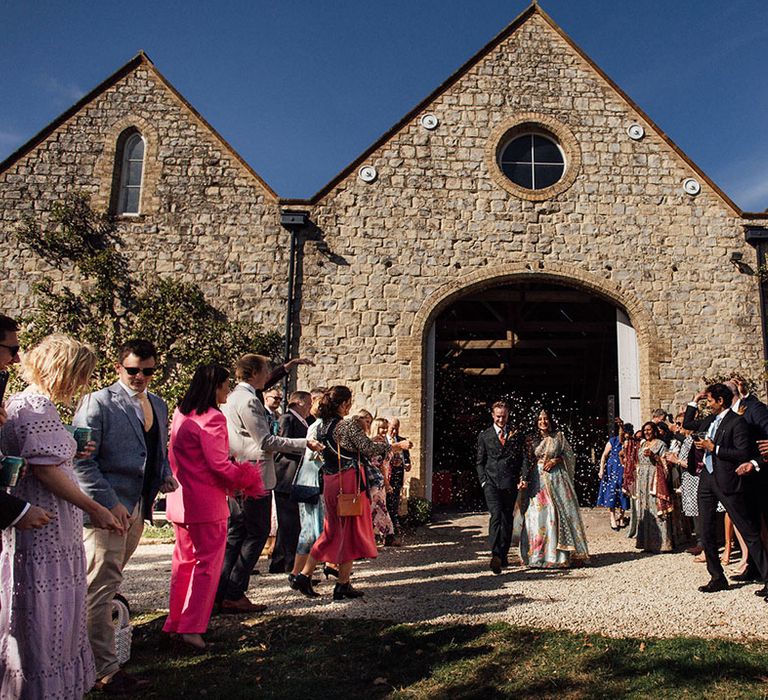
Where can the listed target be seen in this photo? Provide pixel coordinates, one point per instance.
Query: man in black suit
(727, 450)
(755, 472)
(293, 424)
(500, 457)
(14, 511)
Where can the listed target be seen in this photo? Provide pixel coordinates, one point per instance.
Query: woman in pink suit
(199, 456)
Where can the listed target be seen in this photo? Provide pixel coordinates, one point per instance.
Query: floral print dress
(548, 525)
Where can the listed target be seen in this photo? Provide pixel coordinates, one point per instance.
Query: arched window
(131, 159)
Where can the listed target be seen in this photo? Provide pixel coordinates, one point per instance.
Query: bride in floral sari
(548, 525)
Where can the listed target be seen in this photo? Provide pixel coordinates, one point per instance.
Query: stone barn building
(526, 228)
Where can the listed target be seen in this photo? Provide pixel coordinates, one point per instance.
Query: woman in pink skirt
(344, 538)
(199, 456)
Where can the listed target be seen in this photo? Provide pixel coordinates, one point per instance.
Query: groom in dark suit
(500, 456)
(728, 453)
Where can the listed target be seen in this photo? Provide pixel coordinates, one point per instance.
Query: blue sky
(302, 87)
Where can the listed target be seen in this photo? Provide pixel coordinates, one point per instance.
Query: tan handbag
(349, 504)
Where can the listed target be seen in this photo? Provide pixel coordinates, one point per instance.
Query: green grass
(292, 657)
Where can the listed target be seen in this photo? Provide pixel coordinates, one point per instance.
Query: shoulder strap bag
(349, 504)
(303, 493)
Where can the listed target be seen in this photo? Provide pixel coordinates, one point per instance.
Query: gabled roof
(140, 59)
(532, 10)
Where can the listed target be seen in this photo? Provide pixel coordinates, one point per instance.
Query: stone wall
(205, 217)
(386, 257)
(437, 222)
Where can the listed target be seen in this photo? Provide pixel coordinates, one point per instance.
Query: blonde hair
(59, 365)
(377, 423)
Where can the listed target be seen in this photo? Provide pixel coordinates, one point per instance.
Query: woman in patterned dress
(656, 515)
(378, 483)
(44, 648)
(548, 524)
(345, 538)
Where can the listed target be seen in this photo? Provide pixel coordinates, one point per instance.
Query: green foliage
(419, 510)
(107, 305)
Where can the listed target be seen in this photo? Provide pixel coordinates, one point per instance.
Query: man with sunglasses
(125, 472)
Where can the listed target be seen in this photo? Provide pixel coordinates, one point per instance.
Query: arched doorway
(533, 341)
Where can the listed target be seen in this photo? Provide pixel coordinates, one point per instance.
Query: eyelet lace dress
(44, 648)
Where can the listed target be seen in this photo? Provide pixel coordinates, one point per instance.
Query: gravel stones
(442, 576)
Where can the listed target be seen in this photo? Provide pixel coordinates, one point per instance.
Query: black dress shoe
(716, 584)
(330, 571)
(762, 592)
(303, 584)
(496, 564)
(747, 577)
(345, 590)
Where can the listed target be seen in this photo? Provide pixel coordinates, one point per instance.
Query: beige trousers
(106, 554)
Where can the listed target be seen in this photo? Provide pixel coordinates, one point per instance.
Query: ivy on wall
(106, 303)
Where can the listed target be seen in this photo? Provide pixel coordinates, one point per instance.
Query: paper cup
(82, 436)
(9, 471)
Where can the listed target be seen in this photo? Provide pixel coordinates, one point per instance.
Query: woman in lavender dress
(44, 648)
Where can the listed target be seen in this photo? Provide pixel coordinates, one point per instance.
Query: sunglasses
(133, 371)
(13, 349)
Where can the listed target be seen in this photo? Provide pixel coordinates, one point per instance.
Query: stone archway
(414, 350)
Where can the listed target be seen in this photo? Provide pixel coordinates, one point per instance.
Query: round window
(532, 161)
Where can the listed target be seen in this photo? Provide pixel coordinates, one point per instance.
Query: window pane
(547, 175)
(519, 173)
(134, 173)
(518, 150)
(545, 151)
(132, 200)
(134, 149)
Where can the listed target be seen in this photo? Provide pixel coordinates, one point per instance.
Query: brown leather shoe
(120, 683)
(240, 606)
(496, 564)
(694, 550)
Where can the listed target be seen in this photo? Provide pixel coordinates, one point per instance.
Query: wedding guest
(377, 473)
(653, 495)
(199, 455)
(250, 439)
(293, 424)
(399, 463)
(44, 648)
(14, 511)
(610, 494)
(127, 468)
(345, 538)
(311, 515)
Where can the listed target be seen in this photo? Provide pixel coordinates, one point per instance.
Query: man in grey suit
(250, 440)
(500, 467)
(124, 474)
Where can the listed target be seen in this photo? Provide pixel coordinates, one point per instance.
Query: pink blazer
(199, 456)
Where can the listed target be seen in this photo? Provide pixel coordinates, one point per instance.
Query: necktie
(146, 409)
(502, 436)
(711, 435)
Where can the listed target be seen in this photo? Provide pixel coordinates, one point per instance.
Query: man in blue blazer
(127, 468)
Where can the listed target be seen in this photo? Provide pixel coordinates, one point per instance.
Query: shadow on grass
(289, 656)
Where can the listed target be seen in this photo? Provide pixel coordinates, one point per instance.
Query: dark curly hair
(328, 407)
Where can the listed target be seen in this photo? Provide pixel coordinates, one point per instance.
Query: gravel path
(442, 576)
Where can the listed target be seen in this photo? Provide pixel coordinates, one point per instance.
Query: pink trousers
(195, 570)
